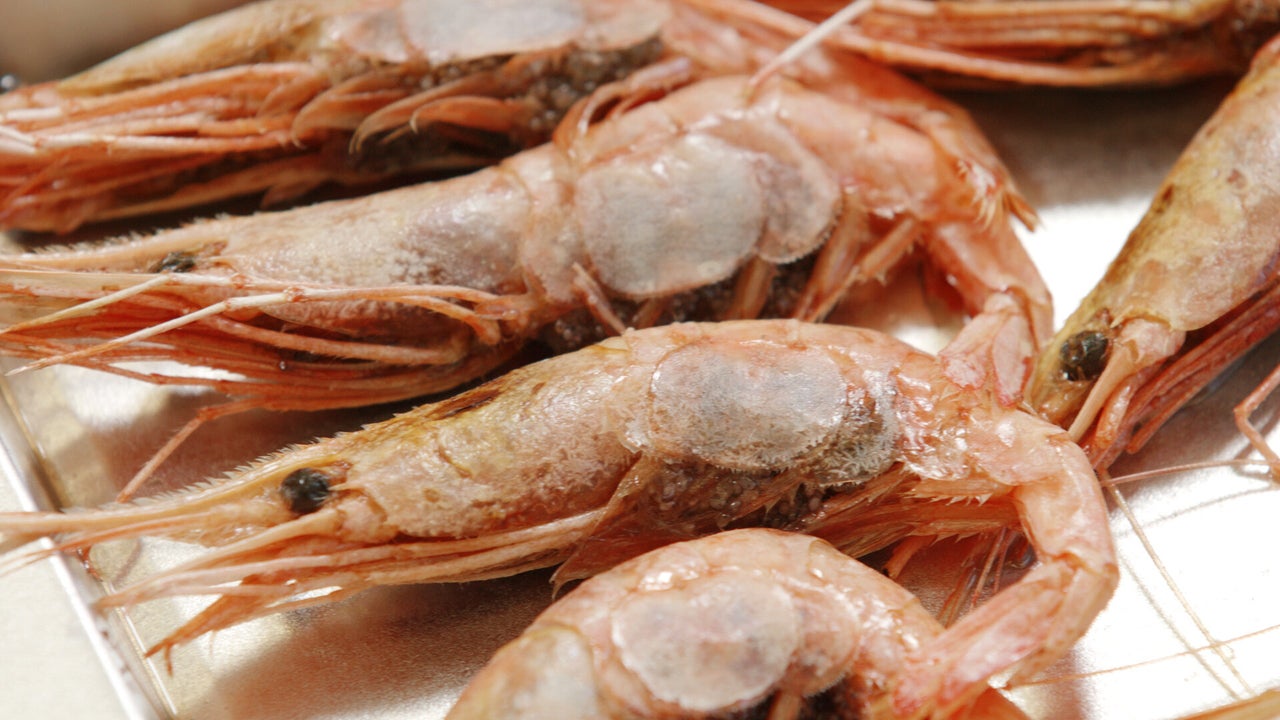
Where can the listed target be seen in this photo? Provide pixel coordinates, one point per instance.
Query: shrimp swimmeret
(593, 457)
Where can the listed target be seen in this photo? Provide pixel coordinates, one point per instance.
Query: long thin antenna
(811, 40)
(1214, 644)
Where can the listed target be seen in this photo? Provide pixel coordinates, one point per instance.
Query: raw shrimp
(593, 457)
(283, 95)
(712, 202)
(1193, 288)
(737, 622)
(1066, 43)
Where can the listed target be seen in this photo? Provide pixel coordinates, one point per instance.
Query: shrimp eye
(9, 82)
(305, 490)
(178, 261)
(1084, 355)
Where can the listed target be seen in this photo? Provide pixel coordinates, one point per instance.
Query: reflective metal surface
(52, 38)
(1088, 161)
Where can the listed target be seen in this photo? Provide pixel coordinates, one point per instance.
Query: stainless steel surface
(51, 38)
(1088, 161)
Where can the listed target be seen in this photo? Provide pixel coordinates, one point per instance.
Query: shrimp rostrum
(1193, 288)
(719, 200)
(732, 623)
(590, 458)
(283, 95)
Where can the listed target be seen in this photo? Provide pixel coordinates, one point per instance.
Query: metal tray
(1088, 161)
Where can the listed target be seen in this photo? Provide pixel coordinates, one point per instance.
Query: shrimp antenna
(435, 298)
(1109, 481)
(1190, 651)
(1263, 705)
(1214, 644)
(89, 306)
(811, 39)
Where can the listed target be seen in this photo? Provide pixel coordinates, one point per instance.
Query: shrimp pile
(590, 458)
(719, 199)
(1073, 43)
(731, 623)
(677, 186)
(1144, 341)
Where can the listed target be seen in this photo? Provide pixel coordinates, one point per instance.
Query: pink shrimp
(735, 622)
(590, 458)
(719, 200)
(1193, 288)
(284, 95)
(1065, 43)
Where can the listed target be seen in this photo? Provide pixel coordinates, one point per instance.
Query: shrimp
(590, 458)
(1192, 289)
(1076, 43)
(284, 95)
(731, 623)
(716, 201)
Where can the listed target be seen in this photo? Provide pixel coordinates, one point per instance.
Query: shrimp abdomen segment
(1051, 483)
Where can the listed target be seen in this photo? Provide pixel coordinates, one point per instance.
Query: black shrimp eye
(9, 82)
(305, 490)
(178, 261)
(1084, 355)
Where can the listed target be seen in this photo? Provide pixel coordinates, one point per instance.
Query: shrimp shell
(732, 623)
(591, 458)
